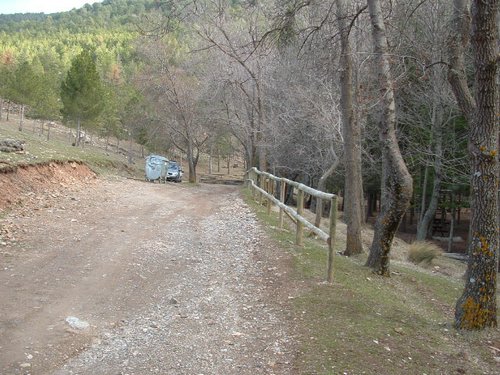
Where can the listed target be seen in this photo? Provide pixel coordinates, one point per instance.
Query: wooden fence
(266, 184)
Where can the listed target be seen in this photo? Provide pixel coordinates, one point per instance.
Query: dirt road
(171, 279)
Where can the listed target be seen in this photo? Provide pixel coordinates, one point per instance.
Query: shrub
(423, 252)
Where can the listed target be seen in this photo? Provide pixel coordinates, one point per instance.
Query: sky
(38, 6)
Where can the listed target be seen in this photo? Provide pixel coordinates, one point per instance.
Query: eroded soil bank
(24, 183)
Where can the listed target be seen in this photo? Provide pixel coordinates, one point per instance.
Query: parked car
(174, 171)
(156, 168)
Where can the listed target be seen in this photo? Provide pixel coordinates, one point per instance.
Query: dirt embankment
(38, 182)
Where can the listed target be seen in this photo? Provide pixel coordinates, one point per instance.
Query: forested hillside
(107, 27)
(37, 50)
(108, 14)
(389, 102)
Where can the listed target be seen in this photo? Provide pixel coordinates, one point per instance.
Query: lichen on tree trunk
(477, 306)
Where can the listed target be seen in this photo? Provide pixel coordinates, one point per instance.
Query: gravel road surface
(128, 277)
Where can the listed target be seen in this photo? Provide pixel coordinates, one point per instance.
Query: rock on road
(171, 279)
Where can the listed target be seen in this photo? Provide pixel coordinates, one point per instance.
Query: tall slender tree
(352, 139)
(23, 88)
(46, 103)
(397, 183)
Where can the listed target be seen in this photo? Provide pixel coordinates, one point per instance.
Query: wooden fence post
(253, 176)
(282, 200)
(331, 240)
(299, 241)
(248, 176)
(260, 184)
(267, 185)
(269, 189)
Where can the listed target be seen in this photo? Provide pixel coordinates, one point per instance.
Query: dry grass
(423, 252)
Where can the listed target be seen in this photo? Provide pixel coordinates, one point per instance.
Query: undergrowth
(423, 252)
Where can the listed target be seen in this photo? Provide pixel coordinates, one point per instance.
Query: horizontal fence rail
(266, 184)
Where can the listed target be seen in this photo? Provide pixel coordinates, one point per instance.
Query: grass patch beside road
(365, 324)
(58, 148)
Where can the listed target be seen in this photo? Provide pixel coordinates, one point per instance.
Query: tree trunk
(210, 160)
(322, 187)
(261, 148)
(459, 38)
(191, 163)
(477, 307)
(218, 160)
(437, 136)
(423, 202)
(78, 129)
(452, 223)
(423, 225)
(21, 118)
(369, 205)
(352, 141)
(129, 153)
(397, 184)
(80, 136)
(248, 158)
(8, 111)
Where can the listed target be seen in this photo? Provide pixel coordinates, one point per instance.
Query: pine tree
(23, 88)
(82, 92)
(45, 104)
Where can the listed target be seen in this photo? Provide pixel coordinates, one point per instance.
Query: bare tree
(304, 129)
(179, 102)
(241, 46)
(235, 96)
(397, 183)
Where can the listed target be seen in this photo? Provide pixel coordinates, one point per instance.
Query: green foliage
(53, 42)
(24, 84)
(46, 100)
(135, 118)
(109, 118)
(108, 28)
(82, 92)
(114, 14)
